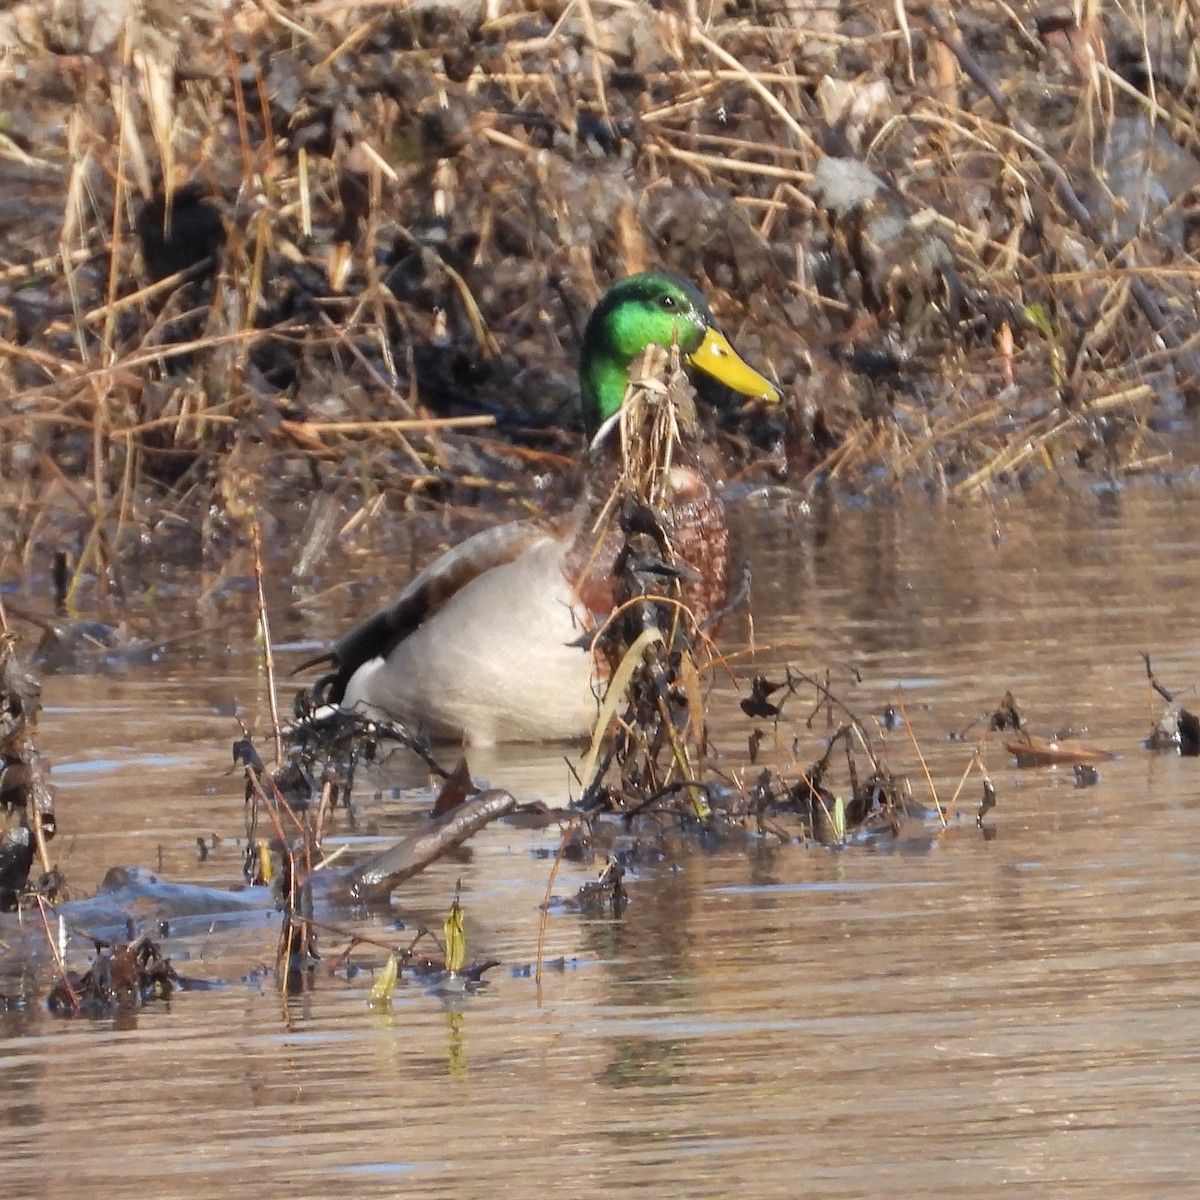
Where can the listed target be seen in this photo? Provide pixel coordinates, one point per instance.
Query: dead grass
(281, 248)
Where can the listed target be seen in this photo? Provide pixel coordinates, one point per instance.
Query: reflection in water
(971, 1019)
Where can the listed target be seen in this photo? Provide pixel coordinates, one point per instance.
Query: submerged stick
(379, 876)
(558, 857)
(921, 757)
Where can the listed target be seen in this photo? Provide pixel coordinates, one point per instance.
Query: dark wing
(380, 634)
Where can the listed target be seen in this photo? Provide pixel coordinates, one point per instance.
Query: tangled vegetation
(268, 249)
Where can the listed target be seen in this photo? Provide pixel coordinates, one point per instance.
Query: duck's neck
(604, 458)
(603, 380)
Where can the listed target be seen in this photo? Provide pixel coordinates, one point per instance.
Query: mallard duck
(488, 643)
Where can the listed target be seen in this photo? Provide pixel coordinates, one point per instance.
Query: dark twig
(268, 656)
(59, 964)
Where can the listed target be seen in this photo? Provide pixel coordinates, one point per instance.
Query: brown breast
(696, 528)
(699, 535)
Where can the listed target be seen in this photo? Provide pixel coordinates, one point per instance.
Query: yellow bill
(716, 357)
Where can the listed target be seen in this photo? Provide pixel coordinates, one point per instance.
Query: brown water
(979, 1018)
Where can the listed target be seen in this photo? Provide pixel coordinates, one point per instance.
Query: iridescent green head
(654, 309)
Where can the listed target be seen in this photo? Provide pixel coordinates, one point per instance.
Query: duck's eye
(667, 302)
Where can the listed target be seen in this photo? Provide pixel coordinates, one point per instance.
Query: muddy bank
(243, 251)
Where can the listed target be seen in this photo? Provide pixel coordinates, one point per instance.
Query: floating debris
(1032, 751)
(1176, 727)
(121, 976)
